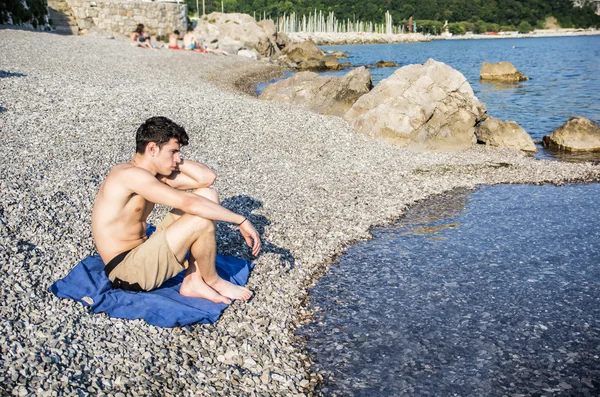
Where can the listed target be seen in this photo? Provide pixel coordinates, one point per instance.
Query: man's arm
(146, 185)
(191, 175)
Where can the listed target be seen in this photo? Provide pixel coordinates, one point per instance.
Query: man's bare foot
(232, 291)
(196, 288)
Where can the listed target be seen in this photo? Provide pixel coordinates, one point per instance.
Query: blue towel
(163, 307)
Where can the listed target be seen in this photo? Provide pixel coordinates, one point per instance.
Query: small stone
(265, 377)
(249, 363)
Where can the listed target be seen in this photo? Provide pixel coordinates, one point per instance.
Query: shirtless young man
(158, 175)
(173, 38)
(189, 40)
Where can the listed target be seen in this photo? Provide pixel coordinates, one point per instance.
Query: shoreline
(331, 39)
(312, 185)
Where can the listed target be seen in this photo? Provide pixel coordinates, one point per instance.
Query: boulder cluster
(322, 94)
(240, 34)
(422, 107)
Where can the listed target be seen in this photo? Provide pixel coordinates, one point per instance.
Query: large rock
(506, 134)
(252, 54)
(501, 71)
(231, 32)
(228, 44)
(304, 51)
(322, 94)
(331, 62)
(422, 107)
(309, 57)
(579, 134)
(312, 64)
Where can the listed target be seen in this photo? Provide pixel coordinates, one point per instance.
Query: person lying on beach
(190, 43)
(158, 175)
(141, 38)
(173, 37)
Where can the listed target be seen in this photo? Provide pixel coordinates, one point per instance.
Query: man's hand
(251, 236)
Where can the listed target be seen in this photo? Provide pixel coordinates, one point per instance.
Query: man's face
(168, 157)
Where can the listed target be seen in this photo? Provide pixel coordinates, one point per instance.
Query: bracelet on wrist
(240, 224)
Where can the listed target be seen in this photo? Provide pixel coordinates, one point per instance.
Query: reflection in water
(434, 229)
(507, 303)
(574, 157)
(490, 87)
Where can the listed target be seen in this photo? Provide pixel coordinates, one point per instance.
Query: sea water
(489, 292)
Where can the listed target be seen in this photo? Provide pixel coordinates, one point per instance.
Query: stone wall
(121, 17)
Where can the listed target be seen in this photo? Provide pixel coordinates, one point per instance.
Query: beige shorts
(150, 264)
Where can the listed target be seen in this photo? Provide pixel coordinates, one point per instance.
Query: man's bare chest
(139, 207)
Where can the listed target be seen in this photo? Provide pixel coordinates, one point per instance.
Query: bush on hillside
(480, 27)
(492, 27)
(461, 27)
(23, 11)
(525, 27)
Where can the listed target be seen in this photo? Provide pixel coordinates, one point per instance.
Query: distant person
(141, 38)
(190, 43)
(158, 175)
(173, 38)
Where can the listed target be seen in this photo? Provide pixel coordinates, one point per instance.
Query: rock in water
(386, 64)
(304, 51)
(309, 57)
(422, 107)
(506, 134)
(579, 134)
(501, 71)
(331, 62)
(322, 94)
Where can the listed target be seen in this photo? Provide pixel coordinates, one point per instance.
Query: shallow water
(492, 292)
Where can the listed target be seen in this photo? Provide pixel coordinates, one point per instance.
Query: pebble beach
(69, 109)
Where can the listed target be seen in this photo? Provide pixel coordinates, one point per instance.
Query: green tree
(524, 27)
(32, 12)
(457, 28)
(480, 27)
(492, 27)
(500, 12)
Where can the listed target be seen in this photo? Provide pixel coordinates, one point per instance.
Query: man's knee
(209, 193)
(203, 225)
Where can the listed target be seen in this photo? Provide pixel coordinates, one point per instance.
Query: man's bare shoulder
(125, 176)
(125, 171)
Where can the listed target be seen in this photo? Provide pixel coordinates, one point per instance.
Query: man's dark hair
(176, 32)
(159, 130)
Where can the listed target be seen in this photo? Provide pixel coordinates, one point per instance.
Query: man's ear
(152, 148)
